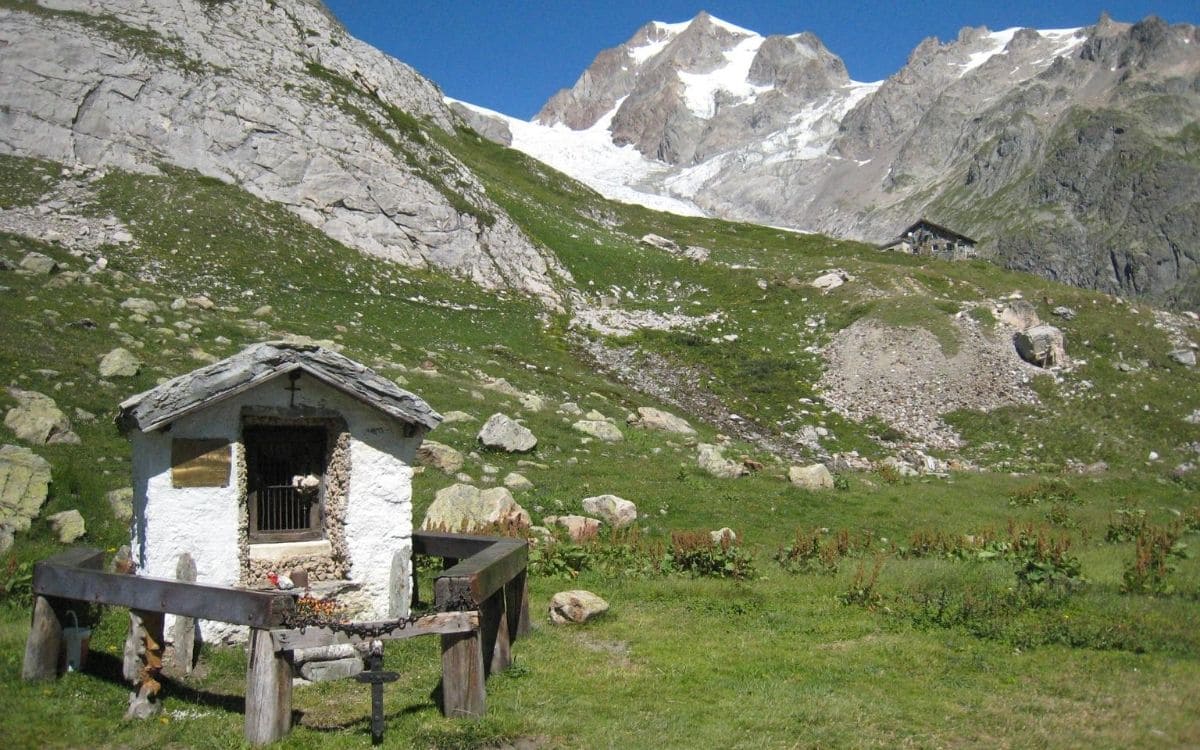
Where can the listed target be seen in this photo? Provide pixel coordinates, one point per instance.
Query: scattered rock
(441, 457)
(532, 402)
(900, 466)
(575, 607)
(68, 525)
(502, 432)
(650, 418)
(1064, 312)
(517, 482)
(831, 280)
(263, 311)
(1042, 345)
(464, 508)
(326, 670)
(812, 478)
(140, 306)
(613, 510)
(37, 419)
(1186, 357)
(1020, 314)
(121, 502)
(710, 459)
(724, 535)
(24, 484)
(605, 431)
(451, 417)
(660, 242)
(119, 363)
(38, 263)
(570, 408)
(579, 528)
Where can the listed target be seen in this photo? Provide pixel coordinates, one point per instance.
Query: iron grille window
(285, 467)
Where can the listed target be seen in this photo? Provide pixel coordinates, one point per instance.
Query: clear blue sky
(512, 56)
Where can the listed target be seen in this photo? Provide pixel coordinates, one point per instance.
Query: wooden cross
(293, 376)
(376, 677)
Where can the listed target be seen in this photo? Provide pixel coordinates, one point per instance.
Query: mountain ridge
(788, 139)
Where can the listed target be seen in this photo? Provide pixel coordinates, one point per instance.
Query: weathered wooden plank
(488, 570)
(442, 623)
(493, 632)
(44, 643)
(516, 595)
(268, 690)
(254, 608)
(463, 691)
(444, 544)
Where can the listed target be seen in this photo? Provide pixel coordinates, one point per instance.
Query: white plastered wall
(204, 521)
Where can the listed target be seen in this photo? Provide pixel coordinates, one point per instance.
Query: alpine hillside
(1071, 153)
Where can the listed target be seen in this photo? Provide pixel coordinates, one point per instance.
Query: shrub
(1044, 491)
(696, 553)
(810, 551)
(16, 583)
(862, 590)
(1126, 524)
(1044, 562)
(1151, 565)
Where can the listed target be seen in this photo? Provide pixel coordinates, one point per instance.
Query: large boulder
(68, 525)
(1020, 314)
(615, 511)
(37, 419)
(575, 607)
(441, 457)
(813, 478)
(40, 264)
(710, 459)
(24, 484)
(1042, 346)
(649, 418)
(464, 508)
(119, 363)
(601, 430)
(579, 528)
(504, 433)
(121, 503)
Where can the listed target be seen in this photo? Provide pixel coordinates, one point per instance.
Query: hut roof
(258, 364)
(934, 227)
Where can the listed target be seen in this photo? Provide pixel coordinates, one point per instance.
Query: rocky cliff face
(271, 95)
(1069, 153)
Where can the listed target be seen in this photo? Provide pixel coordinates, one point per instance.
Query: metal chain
(373, 630)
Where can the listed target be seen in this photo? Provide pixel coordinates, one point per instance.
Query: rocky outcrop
(276, 98)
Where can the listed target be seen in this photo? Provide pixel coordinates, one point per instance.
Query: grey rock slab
(502, 432)
(465, 508)
(615, 511)
(606, 431)
(38, 263)
(711, 460)
(517, 482)
(67, 525)
(120, 501)
(650, 418)
(37, 419)
(576, 607)
(24, 484)
(579, 528)
(333, 669)
(813, 478)
(442, 457)
(119, 363)
(1042, 345)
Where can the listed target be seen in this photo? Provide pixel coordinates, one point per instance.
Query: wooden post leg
(516, 595)
(493, 625)
(44, 642)
(268, 690)
(145, 702)
(463, 692)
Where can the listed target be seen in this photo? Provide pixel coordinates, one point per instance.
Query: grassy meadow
(1006, 608)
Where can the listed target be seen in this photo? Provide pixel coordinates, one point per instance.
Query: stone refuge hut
(284, 456)
(929, 239)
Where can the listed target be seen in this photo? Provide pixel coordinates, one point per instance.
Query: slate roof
(257, 364)
(934, 227)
